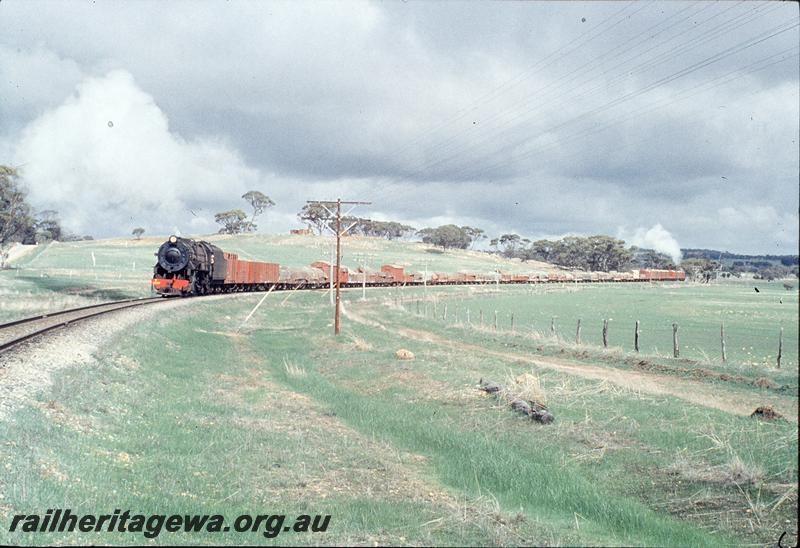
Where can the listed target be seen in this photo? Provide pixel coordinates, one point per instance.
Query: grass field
(65, 274)
(188, 415)
(752, 320)
(196, 413)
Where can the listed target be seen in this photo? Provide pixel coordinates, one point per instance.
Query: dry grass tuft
(734, 472)
(292, 369)
(527, 386)
(360, 344)
(404, 354)
(737, 472)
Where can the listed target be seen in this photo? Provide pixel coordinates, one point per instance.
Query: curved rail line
(18, 331)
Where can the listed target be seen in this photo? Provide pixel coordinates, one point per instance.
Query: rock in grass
(766, 413)
(544, 416)
(521, 406)
(491, 387)
(404, 354)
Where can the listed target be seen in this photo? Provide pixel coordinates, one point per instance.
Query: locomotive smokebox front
(173, 255)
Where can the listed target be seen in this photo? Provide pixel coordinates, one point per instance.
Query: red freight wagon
(270, 273)
(397, 273)
(326, 268)
(240, 275)
(230, 274)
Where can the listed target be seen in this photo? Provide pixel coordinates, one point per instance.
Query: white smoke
(657, 238)
(106, 160)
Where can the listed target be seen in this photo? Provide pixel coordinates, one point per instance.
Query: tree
(137, 232)
(15, 213)
(649, 258)
(701, 270)
(47, 227)
(316, 216)
(604, 253)
(509, 243)
(233, 222)
(259, 202)
(446, 236)
(391, 230)
(474, 234)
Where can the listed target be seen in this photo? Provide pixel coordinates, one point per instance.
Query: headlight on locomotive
(173, 256)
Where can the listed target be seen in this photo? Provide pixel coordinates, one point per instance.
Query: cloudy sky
(663, 123)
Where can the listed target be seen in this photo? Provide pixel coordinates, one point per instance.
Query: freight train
(190, 267)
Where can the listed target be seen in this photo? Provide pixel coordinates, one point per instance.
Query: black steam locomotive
(188, 267)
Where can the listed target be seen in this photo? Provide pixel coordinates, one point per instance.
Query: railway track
(16, 332)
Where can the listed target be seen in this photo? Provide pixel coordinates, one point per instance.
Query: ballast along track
(16, 332)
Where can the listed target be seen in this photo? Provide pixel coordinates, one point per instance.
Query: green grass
(752, 320)
(89, 271)
(181, 415)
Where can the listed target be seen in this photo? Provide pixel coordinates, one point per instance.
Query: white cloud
(107, 161)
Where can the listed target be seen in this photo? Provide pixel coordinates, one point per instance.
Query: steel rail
(117, 305)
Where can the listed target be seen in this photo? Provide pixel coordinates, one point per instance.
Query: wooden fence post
(512, 322)
(480, 314)
(435, 314)
(468, 322)
(722, 341)
(605, 333)
(553, 327)
(676, 352)
(636, 337)
(578, 333)
(780, 347)
(495, 319)
(417, 307)
(444, 314)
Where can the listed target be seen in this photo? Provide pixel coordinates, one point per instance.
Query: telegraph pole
(339, 233)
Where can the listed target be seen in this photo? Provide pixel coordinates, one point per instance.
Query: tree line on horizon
(20, 222)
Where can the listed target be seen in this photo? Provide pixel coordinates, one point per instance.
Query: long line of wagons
(191, 267)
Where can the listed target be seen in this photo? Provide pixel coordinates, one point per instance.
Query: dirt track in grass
(713, 396)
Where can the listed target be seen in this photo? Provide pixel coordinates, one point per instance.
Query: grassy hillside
(64, 274)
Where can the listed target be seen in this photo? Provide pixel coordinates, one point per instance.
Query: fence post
(676, 352)
(722, 341)
(495, 319)
(636, 337)
(444, 314)
(553, 327)
(605, 333)
(435, 313)
(480, 313)
(468, 322)
(780, 347)
(578, 333)
(512, 322)
(425, 309)
(417, 307)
